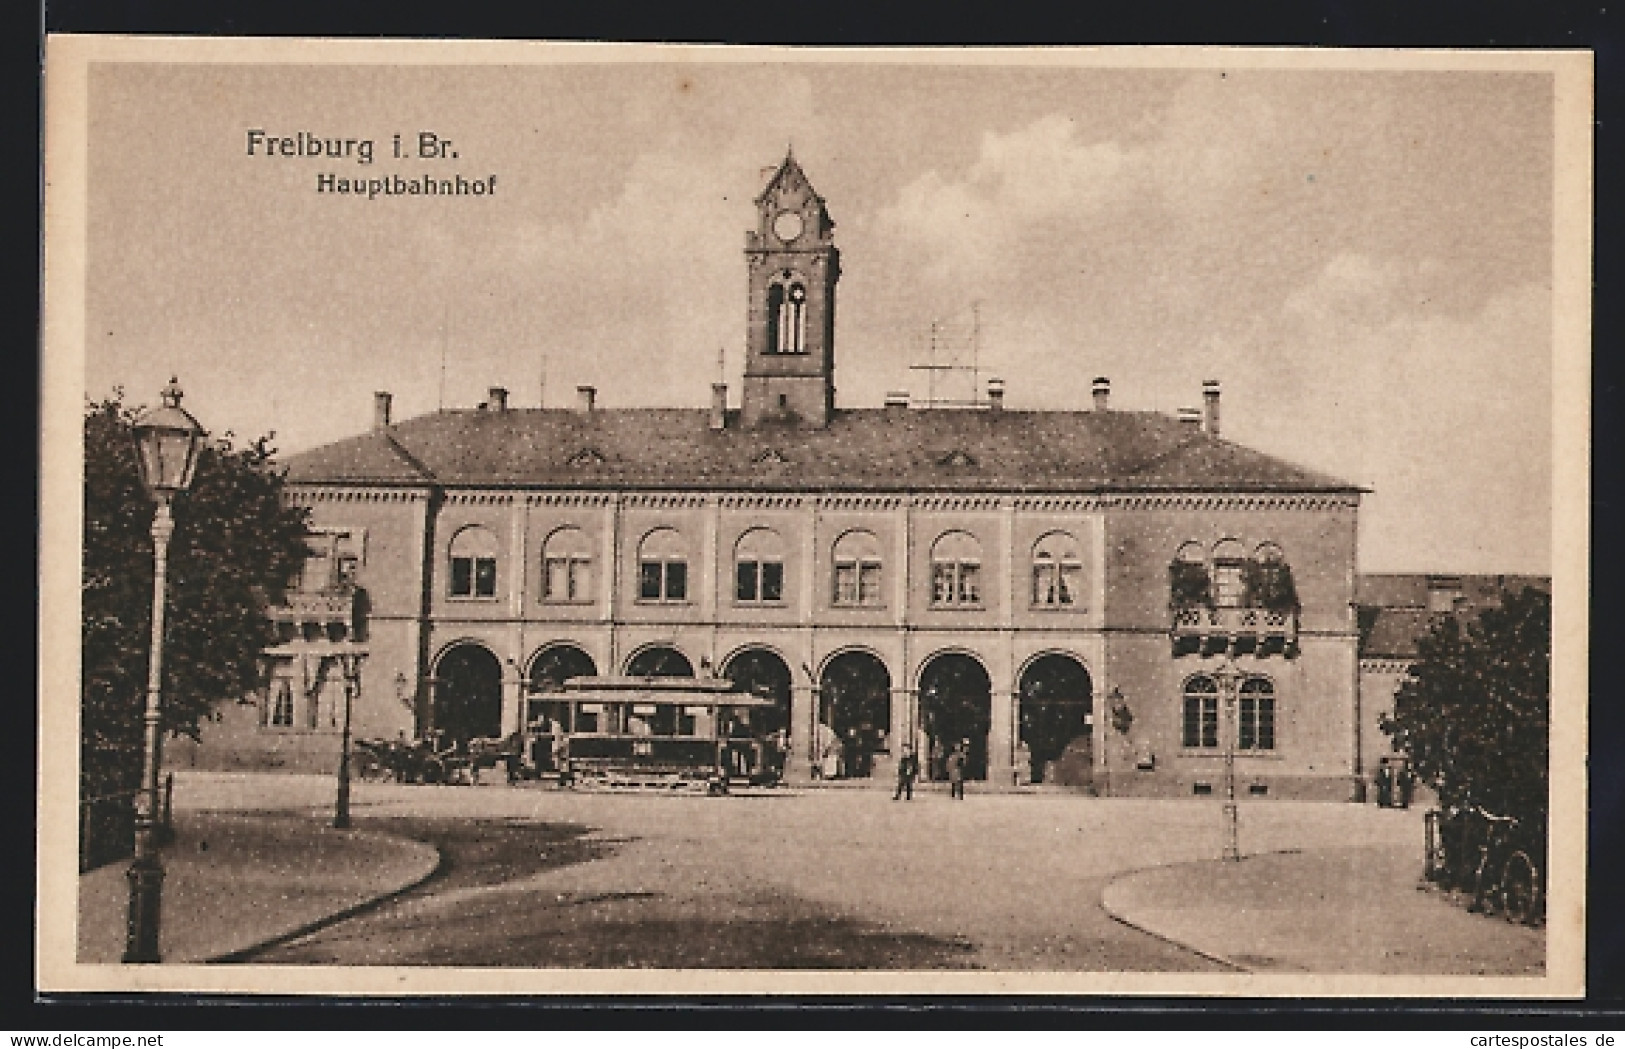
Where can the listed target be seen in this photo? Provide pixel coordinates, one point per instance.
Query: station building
(1107, 599)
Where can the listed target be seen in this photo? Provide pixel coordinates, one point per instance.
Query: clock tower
(790, 324)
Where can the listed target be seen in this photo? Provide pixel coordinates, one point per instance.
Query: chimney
(1102, 390)
(585, 396)
(380, 410)
(719, 405)
(498, 399)
(1210, 398)
(896, 399)
(995, 395)
(1191, 418)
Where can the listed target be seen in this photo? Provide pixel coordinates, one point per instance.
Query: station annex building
(1108, 599)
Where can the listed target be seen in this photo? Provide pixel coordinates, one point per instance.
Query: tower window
(787, 318)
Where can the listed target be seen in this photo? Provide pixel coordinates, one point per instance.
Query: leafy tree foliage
(235, 550)
(1473, 712)
(1189, 585)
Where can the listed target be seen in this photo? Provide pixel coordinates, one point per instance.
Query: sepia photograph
(479, 557)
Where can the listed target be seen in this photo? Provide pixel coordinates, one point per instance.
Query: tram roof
(623, 689)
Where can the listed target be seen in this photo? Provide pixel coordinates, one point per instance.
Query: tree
(1473, 712)
(235, 550)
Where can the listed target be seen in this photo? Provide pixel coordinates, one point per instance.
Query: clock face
(787, 225)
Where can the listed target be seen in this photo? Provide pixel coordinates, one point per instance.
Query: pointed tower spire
(790, 324)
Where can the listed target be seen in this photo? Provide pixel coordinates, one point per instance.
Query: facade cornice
(305, 494)
(1074, 502)
(1385, 665)
(479, 497)
(569, 498)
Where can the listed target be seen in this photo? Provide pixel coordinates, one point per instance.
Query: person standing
(908, 769)
(956, 773)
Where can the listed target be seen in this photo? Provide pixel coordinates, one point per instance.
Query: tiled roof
(1392, 590)
(865, 449)
(376, 457)
(1393, 632)
(1394, 610)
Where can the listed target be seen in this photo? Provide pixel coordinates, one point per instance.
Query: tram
(652, 732)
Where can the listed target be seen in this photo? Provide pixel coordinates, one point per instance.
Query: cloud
(1037, 179)
(1446, 415)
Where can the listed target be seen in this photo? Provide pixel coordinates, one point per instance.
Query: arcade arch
(659, 661)
(956, 707)
(762, 672)
(1057, 704)
(468, 692)
(854, 715)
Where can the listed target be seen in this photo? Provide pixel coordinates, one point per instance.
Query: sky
(1362, 258)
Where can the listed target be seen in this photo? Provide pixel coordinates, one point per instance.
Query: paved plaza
(534, 876)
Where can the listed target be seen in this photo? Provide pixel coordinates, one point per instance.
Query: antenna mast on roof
(951, 337)
(445, 322)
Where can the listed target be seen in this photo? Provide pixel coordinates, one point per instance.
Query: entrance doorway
(1057, 705)
(956, 708)
(468, 693)
(854, 717)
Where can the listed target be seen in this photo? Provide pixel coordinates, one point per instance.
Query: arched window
(956, 570)
(793, 320)
(1057, 571)
(1229, 574)
(857, 569)
(473, 563)
(567, 566)
(1201, 721)
(775, 309)
(662, 567)
(1256, 730)
(759, 567)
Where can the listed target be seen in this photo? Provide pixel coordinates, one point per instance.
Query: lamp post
(1228, 679)
(349, 666)
(168, 441)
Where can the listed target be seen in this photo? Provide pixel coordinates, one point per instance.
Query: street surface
(846, 879)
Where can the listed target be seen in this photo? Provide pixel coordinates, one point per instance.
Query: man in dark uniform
(908, 769)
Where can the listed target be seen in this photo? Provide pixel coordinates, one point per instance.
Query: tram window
(588, 716)
(696, 721)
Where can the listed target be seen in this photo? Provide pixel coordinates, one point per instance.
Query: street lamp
(1228, 679)
(168, 441)
(350, 667)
